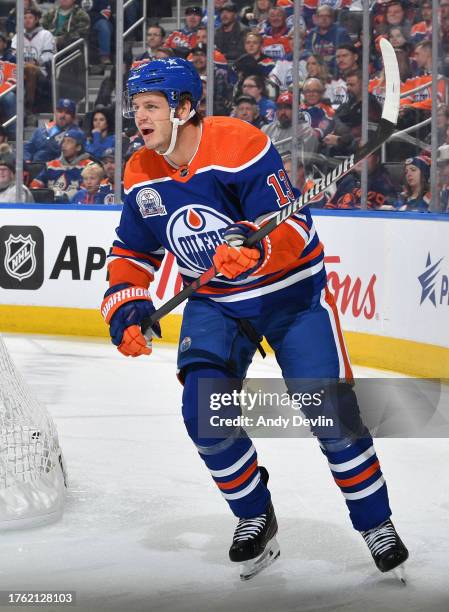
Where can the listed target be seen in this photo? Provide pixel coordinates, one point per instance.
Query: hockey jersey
(235, 174)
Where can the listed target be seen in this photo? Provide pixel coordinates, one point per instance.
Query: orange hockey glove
(235, 261)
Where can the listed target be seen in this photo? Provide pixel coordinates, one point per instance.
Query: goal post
(32, 471)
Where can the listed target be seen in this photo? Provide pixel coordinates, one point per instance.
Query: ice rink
(146, 529)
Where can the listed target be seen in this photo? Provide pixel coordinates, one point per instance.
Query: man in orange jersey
(197, 189)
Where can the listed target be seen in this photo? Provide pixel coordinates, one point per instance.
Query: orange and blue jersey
(236, 174)
(61, 176)
(422, 99)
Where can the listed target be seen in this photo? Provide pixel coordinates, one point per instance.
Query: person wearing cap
(281, 128)
(92, 176)
(63, 174)
(45, 143)
(185, 39)
(222, 86)
(246, 109)
(39, 49)
(416, 195)
(8, 181)
(229, 35)
(106, 191)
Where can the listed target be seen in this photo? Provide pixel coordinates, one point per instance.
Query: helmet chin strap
(174, 130)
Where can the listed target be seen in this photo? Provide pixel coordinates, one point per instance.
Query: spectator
(106, 191)
(39, 49)
(398, 39)
(92, 176)
(443, 178)
(246, 109)
(324, 39)
(316, 67)
(184, 40)
(63, 174)
(348, 117)
(395, 16)
(300, 170)
(346, 61)
(254, 86)
(6, 54)
(252, 16)
(281, 128)
(282, 73)
(422, 99)
(416, 195)
(67, 22)
(106, 92)
(102, 132)
(276, 39)
(381, 194)
(316, 113)
(8, 181)
(229, 36)
(217, 15)
(100, 14)
(253, 61)
(222, 87)
(11, 28)
(5, 147)
(164, 53)
(155, 37)
(45, 144)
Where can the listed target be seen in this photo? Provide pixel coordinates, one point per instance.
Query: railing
(141, 21)
(77, 49)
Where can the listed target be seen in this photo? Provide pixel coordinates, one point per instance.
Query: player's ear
(184, 107)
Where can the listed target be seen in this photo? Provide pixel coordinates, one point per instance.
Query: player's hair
(197, 117)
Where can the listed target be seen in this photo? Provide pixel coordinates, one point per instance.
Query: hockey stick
(386, 127)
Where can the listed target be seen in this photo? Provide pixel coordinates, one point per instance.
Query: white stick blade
(392, 82)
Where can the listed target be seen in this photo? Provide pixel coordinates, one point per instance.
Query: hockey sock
(230, 458)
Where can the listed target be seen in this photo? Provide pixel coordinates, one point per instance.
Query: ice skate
(387, 548)
(254, 544)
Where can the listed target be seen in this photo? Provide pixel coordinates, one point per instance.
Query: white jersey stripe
(137, 262)
(252, 485)
(353, 463)
(259, 291)
(365, 492)
(235, 466)
(325, 305)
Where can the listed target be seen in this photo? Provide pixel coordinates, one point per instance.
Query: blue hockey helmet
(172, 76)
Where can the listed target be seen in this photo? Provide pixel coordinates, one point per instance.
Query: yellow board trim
(405, 356)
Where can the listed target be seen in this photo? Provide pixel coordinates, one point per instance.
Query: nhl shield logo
(150, 203)
(20, 257)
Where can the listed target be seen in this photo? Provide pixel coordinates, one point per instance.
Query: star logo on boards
(427, 280)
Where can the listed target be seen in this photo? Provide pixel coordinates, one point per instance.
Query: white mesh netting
(32, 472)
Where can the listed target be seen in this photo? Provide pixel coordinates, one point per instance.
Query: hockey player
(197, 189)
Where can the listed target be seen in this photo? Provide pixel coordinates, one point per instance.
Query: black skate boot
(254, 544)
(386, 547)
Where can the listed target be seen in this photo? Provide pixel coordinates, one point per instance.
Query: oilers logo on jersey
(150, 203)
(194, 232)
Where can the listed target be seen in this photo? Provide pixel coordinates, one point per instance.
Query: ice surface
(145, 528)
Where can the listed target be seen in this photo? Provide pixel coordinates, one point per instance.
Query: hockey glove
(236, 261)
(124, 308)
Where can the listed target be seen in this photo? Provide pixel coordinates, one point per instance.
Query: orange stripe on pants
(240, 479)
(350, 482)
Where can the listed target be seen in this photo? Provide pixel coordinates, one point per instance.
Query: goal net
(32, 471)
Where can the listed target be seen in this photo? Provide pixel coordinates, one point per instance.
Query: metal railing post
(295, 75)
(20, 98)
(118, 101)
(435, 200)
(365, 100)
(210, 58)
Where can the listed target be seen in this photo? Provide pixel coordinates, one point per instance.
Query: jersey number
(281, 185)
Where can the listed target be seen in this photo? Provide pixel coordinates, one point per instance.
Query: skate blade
(399, 573)
(251, 568)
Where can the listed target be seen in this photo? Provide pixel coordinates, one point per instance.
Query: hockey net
(32, 471)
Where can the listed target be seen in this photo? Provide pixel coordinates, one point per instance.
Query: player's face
(152, 117)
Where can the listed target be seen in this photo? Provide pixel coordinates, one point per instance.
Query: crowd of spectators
(253, 78)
